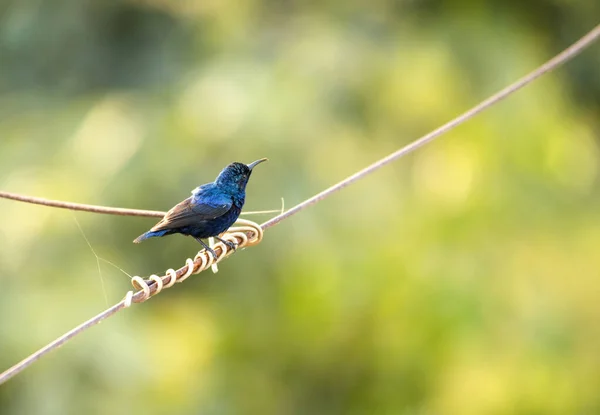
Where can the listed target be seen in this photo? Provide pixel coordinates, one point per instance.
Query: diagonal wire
(559, 59)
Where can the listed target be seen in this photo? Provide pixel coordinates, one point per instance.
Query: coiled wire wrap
(245, 233)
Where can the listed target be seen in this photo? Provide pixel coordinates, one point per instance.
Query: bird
(211, 210)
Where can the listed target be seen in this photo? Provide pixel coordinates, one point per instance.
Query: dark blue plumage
(211, 210)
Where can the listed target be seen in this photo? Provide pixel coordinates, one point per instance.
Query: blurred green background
(464, 279)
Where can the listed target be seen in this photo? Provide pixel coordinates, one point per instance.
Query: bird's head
(236, 175)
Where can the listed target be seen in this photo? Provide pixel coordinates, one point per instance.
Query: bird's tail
(149, 234)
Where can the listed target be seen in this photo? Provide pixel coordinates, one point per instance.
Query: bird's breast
(228, 219)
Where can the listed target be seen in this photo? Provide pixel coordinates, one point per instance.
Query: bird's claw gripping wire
(245, 233)
(232, 245)
(207, 248)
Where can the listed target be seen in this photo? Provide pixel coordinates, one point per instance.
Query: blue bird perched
(211, 210)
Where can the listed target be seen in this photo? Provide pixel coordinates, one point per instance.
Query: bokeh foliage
(464, 279)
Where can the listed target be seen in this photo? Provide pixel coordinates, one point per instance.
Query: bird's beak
(254, 163)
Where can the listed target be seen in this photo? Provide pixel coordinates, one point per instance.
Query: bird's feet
(212, 252)
(230, 244)
(208, 249)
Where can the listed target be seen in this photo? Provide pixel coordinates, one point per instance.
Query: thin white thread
(139, 283)
(200, 255)
(159, 283)
(128, 299)
(209, 260)
(173, 278)
(190, 269)
(211, 243)
(224, 251)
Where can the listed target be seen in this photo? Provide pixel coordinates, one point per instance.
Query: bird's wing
(192, 211)
(202, 189)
